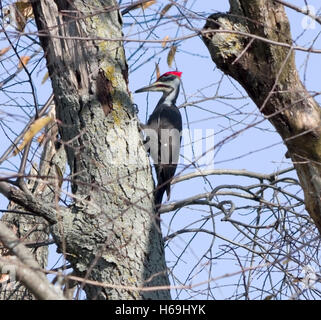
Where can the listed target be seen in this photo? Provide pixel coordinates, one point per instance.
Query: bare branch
(26, 268)
(29, 202)
(297, 9)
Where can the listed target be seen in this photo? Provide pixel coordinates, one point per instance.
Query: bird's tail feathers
(159, 193)
(158, 196)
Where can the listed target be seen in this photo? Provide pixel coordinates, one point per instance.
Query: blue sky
(257, 149)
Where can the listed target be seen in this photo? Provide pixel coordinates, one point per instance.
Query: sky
(257, 149)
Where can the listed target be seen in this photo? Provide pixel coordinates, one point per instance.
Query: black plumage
(163, 132)
(167, 122)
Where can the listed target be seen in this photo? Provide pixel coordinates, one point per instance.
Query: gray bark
(34, 230)
(252, 43)
(110, 233)
(25, 268)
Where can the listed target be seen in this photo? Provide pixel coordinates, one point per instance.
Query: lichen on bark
(109, 234)
(252, 43)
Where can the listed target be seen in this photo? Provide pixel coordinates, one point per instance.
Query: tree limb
(29, 202)
(269, 75)
(26, 268)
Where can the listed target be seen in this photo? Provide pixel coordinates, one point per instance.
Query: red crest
(175, 73)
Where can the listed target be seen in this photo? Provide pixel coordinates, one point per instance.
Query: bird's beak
(156, 86)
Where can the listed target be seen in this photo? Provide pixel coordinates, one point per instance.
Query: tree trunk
(34, 230)
(110, 234)
(252, 43)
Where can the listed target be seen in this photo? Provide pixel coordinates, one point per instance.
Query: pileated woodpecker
(163, 132)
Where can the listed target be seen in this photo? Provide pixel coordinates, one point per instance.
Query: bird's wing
(165, 125)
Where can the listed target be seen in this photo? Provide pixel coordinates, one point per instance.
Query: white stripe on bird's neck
(171, 98)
